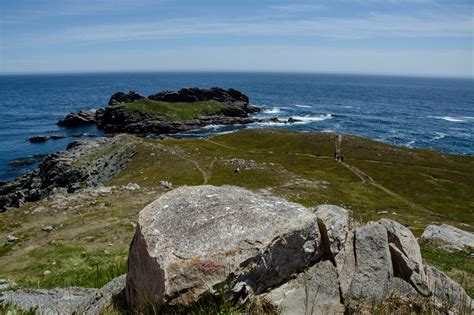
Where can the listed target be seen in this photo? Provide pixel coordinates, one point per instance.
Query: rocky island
(256, 221)
(168, 111)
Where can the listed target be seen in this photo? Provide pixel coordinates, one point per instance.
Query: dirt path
(367, 179)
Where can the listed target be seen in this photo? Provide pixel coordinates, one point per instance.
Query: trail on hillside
(367, 179)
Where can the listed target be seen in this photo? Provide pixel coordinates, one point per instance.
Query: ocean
(408, 111)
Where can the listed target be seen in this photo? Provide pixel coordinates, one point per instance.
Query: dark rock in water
(78, 119)
(59, 170)
(293, 120)
(122, 98)
(22, 162)
(39, 139)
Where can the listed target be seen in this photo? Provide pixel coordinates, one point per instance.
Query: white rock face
(333, 223)
(448, 237)
(373, 269)
(314, 292)
(203, 240)
(406, 256)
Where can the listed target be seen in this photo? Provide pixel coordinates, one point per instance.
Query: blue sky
(420, 37)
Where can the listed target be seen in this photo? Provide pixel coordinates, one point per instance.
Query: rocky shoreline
(82, 164)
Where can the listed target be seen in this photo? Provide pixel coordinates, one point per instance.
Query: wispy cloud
(376, 25)
(297, 8)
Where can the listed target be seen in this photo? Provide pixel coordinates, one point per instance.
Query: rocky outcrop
(230, 96)
(122, 98)
(73, 300)
(447, 294)
(78, 119)
(332, 221)
(448, 237)
(83, 164)
(373, 271)
(198, 241)
(406, 256)
(202, 241)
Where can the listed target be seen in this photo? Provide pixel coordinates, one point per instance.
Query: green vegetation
(93, 231)
(180, 111)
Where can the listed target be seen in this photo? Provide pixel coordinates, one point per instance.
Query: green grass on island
(93, 230)
(180, 111)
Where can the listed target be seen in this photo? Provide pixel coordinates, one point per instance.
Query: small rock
(48, 228)
(166, 184)
(132, 186)
(382, 212)
(11, 239)
(237, 170)
(47, 272)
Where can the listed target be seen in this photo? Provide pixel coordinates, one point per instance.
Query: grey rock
(166, 184)
(131, 186)
(448, 238)
(6, 284)
(447, 294)
(316, 291)
(402, 289)
(47, 228)
(373, 271)
(406, 256)
(195, 241)
(333, 223)
(346, 265)
(73, 300)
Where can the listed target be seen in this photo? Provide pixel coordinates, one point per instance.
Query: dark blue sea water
(408, 111)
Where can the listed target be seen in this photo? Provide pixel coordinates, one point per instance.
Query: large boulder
(333, 223)
(373, 266)
(448, 237)
(198, 241)
(406, 256)
(316, 291)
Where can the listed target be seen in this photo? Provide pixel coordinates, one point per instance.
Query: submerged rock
(196, 241)
(448, 237)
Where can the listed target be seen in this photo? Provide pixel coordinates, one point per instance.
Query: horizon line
(255, 71)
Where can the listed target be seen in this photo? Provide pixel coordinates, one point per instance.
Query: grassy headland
(177, 111)
(376, 180)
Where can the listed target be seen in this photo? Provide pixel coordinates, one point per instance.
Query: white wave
(93, 110)
(303, 106)
(439, 135)
(409, 143)
(274, 110)
(453, 118)
(213, 127)
(308, 119)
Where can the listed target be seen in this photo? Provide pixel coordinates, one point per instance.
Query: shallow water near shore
(415, 112)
